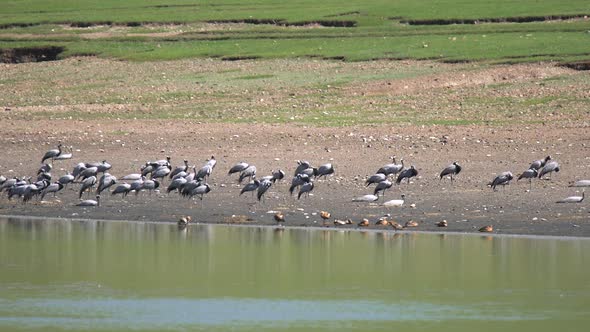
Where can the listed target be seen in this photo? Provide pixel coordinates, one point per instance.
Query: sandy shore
(356, 152)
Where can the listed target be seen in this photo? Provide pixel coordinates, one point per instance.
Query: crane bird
(530, 174)
(64, 156)
(537, 164)
(161, 172)
(275, 176)
(382, 186)
(51, 154)
(407, 174)
(573, 199)
(106, 181)
(501, 179)
(263, 188)
(581, 183)
(87, 183)
(392, 168)
(90, 202)
(297, 181)
(123, 188)
(212, 162)
(250, 187)
(395, 202)
(366, 198)
(324, 170)
(305, 188)
(452, 169)
(249, 172)
(150, 185)
(302, 165)
(132, 177)
(179, 169)
(66, 179)
(201, 189)
(549, 168)
(204, 172)
(376, 178)
(52, 188)
(237, 168)
(176, 184)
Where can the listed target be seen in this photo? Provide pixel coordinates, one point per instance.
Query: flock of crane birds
(188, 181)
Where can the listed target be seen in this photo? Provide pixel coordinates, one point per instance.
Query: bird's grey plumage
(550, 167)
(298, 180)
(277, 175)
(64, 156)
(123, 188)
(103, 166)
(90, 202)
(182, 174)
(376, 178)
(179, 169)
(452, 169)
(66, 179)
(581, 183)
(237, 168)
(263, 188)
(45, 168)
(106, 181)
(305, 188)
(8, 184)
(325, 170)
(30, 191)
(212, 162)
(44, 176)
(2, 179)
(204, 172)
(393, 168)
(176, 184)
(147, 169)
(366, 198)
(249, 172)
(161, 172)
(78, 169)
(51, 154)
(309, 171)
(132, 177)
(573, 199)
(87, 183)
(150, 185)
(137, 185)
(501, 179)
(88, 172)
(200, 190)
(537, 164)
(530, 173)
(407, 174)
(302, 165)
(382, 186)
(52, 188)
(253, 185)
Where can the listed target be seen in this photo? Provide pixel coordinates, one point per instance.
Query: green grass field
(153, 30)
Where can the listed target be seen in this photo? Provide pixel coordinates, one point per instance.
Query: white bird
(581, 183)
(395, 202)
(573, 199)
(90, 202)
(366, 198)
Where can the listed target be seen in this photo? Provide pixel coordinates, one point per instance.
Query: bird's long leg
(530, 184)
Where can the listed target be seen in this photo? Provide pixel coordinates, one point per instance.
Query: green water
(114, 276)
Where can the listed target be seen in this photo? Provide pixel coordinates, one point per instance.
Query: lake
(118, 276)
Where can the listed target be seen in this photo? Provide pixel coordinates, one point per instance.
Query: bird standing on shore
(549, 168)
(376, 178)
(537, 164)
(324, 170)
(263, 188)
(501, 179)
(452, 169)
(392, 168)
(51, 154)
(530, 174)
(382, 186)
(407, 174)
(305, 188)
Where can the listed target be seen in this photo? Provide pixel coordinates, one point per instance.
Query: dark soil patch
(516, 19)
(577, 65)
(282, 22)
(30, 54)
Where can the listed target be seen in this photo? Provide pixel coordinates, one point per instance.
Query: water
(117, 276)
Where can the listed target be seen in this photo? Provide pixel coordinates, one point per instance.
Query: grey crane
(105, 182)
(52, 188)
(530, 174)
(212, 162)
(45, 168)
(393, 168)
(132, 177)
(32, 190)
(87, 183)
(305, 188)
(64, 156)
(179, 169)
(90, 202)
(176, 184)
(251, 187)
(249, 172)
(573, 199)
(148, 168)
(204, 172)
(161, 172)
(324, 170)
(579, 183)
(150, 185)
(137, 185)
(123, 188)
(376, 178)
(549, 168)
(302, 165)
(237, 168)
(263, 188)
(501, 179)
(78, 169)
(537, 164)
(103, 166)
(407, 174)
(88, 172)
(51, 154)
(298, 180)
(200, 190)
(382, 186)
(66, 179)
(452, 169)
(277, 175)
